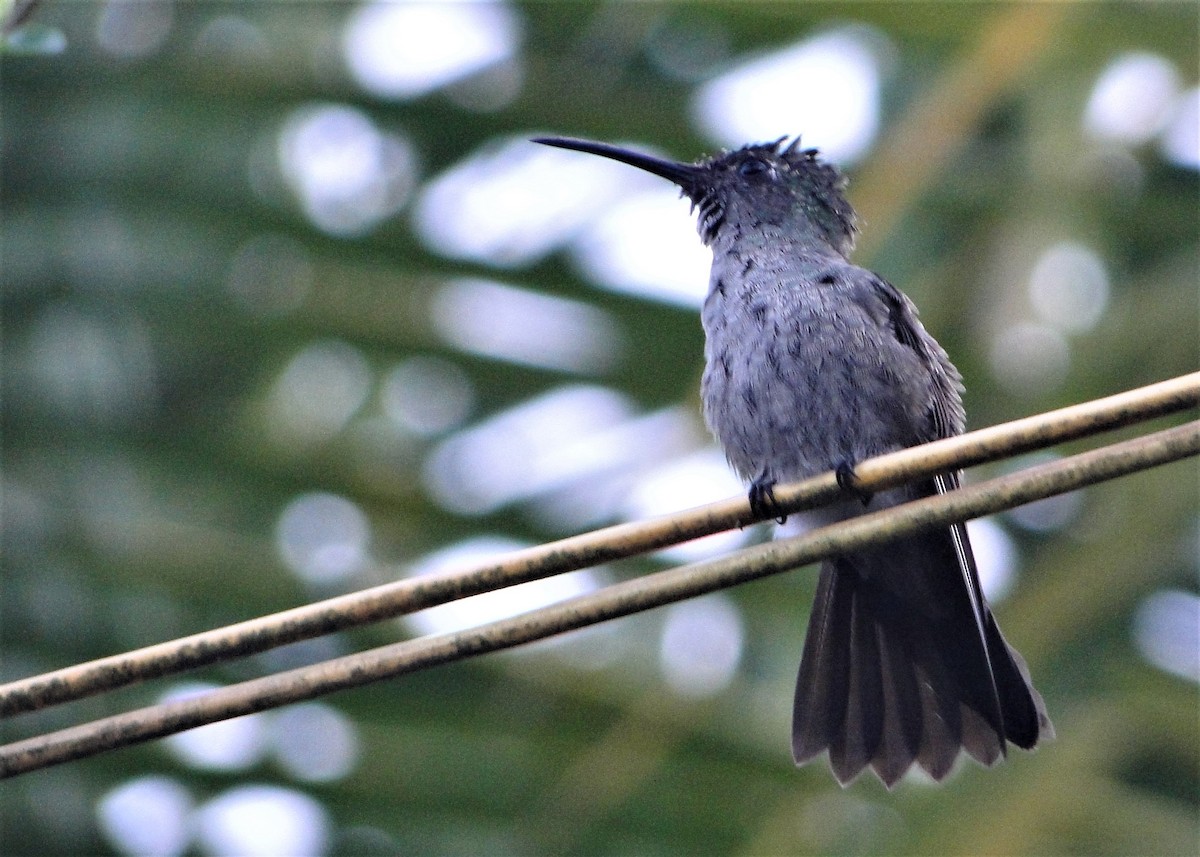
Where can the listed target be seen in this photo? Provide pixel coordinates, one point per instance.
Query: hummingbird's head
(764, 184)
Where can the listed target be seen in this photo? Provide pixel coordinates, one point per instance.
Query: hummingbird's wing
(946, 416)
(1022, 707)
(903, 660)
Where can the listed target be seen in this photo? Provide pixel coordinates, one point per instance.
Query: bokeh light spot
(228, 745)
(347, 174)
(1069, 287)
(1167, 632)
(701, 645)
(682, 483)
(1132, 98)
(825, 88)
(314, 742)
(232, 39)
(427, 395)
(1051, 514)
(646, 245)
(323, 538)
(995, 557)
(262, 821)
(527, 327)
(541, 444)
(92, 368)
(501, 603)
(1180, 142)
(128, 29)
(146, 817)
(321, 388)
(513, 203)
(406, 49)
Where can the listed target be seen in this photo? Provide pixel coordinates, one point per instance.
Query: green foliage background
(131, 521)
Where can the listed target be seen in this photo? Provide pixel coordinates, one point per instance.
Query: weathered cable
(406, 596)
(621, 599)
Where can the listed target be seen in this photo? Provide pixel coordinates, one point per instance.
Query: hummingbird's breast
(799, 376)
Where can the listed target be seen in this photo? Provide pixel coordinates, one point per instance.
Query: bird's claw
(847, 480)
(762, 500)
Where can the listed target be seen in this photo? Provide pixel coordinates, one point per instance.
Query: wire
(621, 599)
(588, 549)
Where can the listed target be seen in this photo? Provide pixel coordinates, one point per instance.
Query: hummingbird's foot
(847, 480)
(762, 500)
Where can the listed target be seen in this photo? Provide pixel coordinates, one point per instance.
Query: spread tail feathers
(904, 663)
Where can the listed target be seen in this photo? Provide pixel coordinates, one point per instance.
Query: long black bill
(683, 175)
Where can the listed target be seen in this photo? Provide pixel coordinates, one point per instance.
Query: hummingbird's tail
(904, 662)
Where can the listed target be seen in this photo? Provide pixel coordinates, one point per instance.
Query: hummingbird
(813, 364)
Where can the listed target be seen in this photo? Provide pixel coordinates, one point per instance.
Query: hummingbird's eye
(753, 167)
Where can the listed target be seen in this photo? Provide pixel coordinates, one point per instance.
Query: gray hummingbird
(813, 364)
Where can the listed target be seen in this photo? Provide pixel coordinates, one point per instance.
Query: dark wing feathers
(947, 417)
(903, 660)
